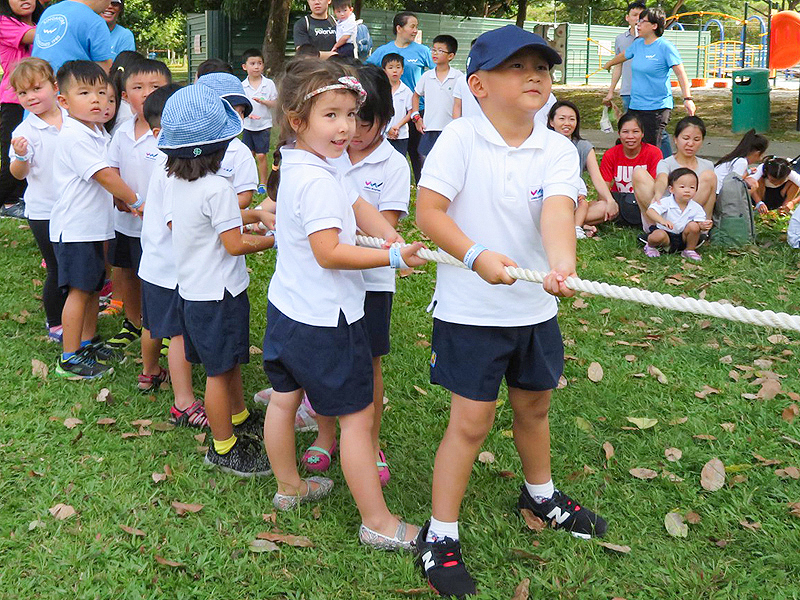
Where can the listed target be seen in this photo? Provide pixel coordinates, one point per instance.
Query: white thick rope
(751, 316)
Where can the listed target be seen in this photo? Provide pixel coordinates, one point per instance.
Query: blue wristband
(472, 254)
(138, 203)
(395, 260)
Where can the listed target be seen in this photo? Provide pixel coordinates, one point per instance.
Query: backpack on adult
(363, 40)
(734, 224)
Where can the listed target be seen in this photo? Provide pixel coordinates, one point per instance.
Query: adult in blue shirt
(651, 60)
(416, 60)
(121, 38)
(73, 30)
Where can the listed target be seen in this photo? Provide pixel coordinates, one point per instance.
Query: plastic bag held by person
(605, 122)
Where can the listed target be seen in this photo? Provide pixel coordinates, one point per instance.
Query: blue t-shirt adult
(650, 66)
(416, 60)
(121, 40)
(71, 30)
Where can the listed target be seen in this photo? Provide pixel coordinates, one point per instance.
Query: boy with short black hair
(82, 217)
(392, 65)
(213, 65)
(436, 86)
(500, 179)
(262, 93)
(346, 28)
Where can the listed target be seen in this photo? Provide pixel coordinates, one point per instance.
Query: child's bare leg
(643, 189)
(72, 318)
(151, 352)
(691, 235)
(279, 440)
(236, 395)
(658, 239)
(377, 402)
(218, 404)
(581, 211)
(596, 212)
(180, 371)
(89, 329)
(128, 288)
(470, 422)
(261, 163)
(326, 431)
(532, 432)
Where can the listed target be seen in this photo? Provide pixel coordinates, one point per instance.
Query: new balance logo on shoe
(559, 515)
(427, 560)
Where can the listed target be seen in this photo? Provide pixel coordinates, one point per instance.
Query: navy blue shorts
(400, 145)
(332, 364)
(378, 318)
(471, 361)
(428, 140)
(347, 49)
(257, 141)
(81, 265)
(160, 311)
(676, 241)
(125, 251)
(216, 333)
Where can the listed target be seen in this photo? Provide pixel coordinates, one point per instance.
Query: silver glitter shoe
(289, 502)
(378, 541)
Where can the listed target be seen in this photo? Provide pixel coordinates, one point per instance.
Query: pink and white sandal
(318, 459)
(383, 469)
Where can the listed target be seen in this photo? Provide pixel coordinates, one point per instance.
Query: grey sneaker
(82, 365)
(245, 459)
(314, 493)
(14, 211)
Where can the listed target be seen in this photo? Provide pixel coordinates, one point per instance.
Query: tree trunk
(357, 8)
(678, 6)
(522, 11)
(274, 45)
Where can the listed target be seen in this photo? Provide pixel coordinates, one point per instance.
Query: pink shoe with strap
(691, 255)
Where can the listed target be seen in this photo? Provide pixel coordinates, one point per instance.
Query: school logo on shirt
(51, 31)
(650, 56)
(373, 186)
(150, 155)
(537, 194)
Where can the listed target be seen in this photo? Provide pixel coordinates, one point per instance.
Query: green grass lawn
(108, 480)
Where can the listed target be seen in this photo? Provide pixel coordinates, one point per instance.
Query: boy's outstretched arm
(109, 178)
(433, 221)
(558, 239)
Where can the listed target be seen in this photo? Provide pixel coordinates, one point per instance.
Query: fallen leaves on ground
(522, 591)
(657, 373)
(608, 449)
(133, 531)
(729, 427)
(679, 421)
(486, 457)
(790, 412)
(62, 511)
(750, 525)
(39, 369)
(72, 422)
(704, 436)
(533, 522)
(712, 477)
(706, 391)
(642, 423)
(300, 541)
(692, 517)
(792, 472)
(263, 546)
(769, 389)
(615, 547)
(158, 477)
(420, 390)
(643, 473)
(673, 454)
(583, 424)
(106, 421)
(104, 395)
(182, 508)
(168, 563)
(794, 508)
(595, 372)
(675, 525)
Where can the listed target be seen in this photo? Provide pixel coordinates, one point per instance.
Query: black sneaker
(703, 239)
(252, 426)
(127, 335)
(245, 459)
(441, 564)
(82, 365)
(13, 211)
(642, 237)
(104, 353)
(562, 512)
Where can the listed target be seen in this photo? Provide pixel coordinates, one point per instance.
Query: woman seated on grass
(620, 161)
(689, 135)
(565, 119)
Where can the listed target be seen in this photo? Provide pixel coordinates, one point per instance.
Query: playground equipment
(784, 45)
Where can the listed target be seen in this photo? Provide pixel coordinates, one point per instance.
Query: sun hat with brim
(229, 87)
(197, 122)
(493, 47)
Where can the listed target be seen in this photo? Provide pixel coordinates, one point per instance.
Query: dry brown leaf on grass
(615, 547)
(163, 426)
(522, 591)
(657, 373)
(142, 422)
(106, 421)
(642, 423)
(273, 516)
(712, 477)
(643, 473)
(769, 389)
(133, 531)
(794, 508)
(673, 454)
(679, 421)
(792, 472)
(263, 546)
(706, 391)
(420, 390)
(486, 457)
(72, 422)
(533, 522)
(562, 383)
(104, 395)
(750, 525)
(790, 412)
(609, 450)
(595, 372)
(182, 508)
(167, 563)
(200, 437)
(729, 427)
(630, 357)
(159, 477)
(692, 517)
(579, 303)
(39, 369)
(62, 511)
(300, 541)
(675, 526)
(705, 436)
(256, 350)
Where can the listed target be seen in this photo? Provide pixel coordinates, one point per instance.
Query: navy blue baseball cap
(493, 47)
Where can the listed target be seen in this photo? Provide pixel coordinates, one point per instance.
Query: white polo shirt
(469, 103)
(200, 211)
(265, 91)
(84, 210)
(384, 180)
(239, 167)
(157, 265)
(124, 114)
(40, 195)
(401, 102)
(135, 160)
(311, 198)
(496, 195)
(668, 208)
(438, 97)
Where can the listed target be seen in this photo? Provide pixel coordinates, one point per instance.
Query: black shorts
(676, 241)
(125, 251)
(160, 311)
(332, 364)
(428, 140)
(216, 333)
(471, 360)
(81, 265)
(257, 141)
(378, 318)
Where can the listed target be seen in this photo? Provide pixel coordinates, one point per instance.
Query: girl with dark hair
(748, 151)
(18, 20)
(565, 119)
(775, 185)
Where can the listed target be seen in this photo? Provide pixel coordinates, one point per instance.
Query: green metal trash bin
(750, 99)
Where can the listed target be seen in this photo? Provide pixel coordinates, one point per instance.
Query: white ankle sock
(541, 492)
(439, 530)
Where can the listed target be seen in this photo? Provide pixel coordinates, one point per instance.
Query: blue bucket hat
(196, 122)
(493, 47)
(229, 87)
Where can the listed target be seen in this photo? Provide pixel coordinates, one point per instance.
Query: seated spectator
(775, 185)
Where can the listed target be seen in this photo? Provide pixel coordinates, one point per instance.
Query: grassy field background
(743, 541)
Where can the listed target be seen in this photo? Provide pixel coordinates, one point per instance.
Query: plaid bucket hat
(197, 122)
(229, 87)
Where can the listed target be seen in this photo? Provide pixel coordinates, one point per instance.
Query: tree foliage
(153, 31)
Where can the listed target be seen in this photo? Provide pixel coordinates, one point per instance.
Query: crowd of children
(166, 200)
